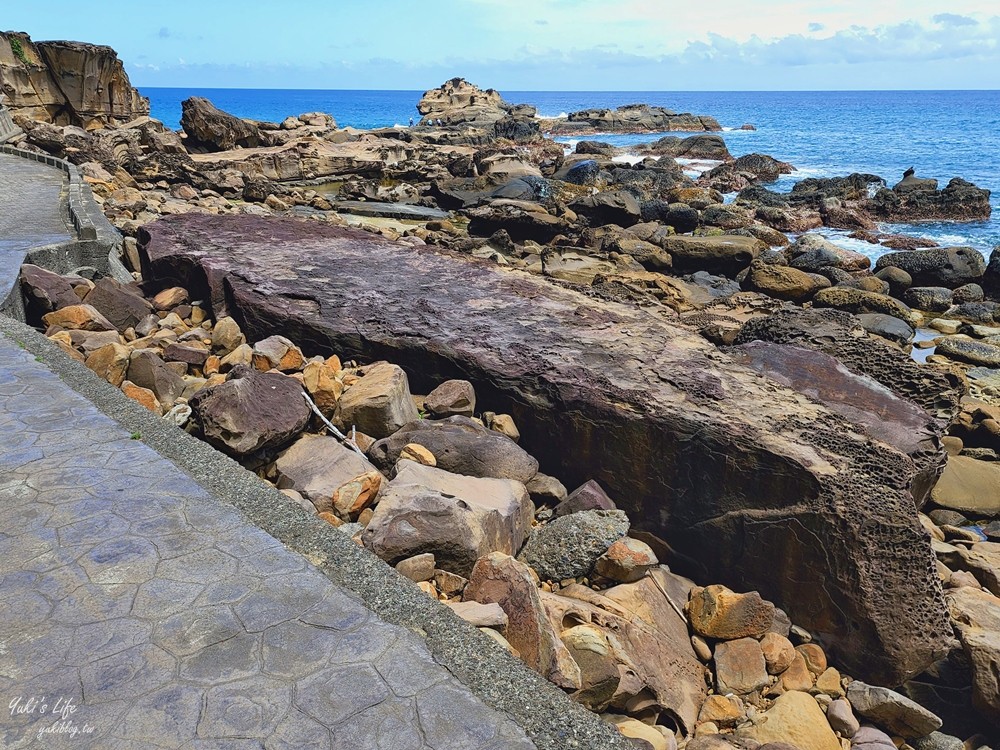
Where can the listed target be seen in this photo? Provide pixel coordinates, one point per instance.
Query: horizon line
(595, 91)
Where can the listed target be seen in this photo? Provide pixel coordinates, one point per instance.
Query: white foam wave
(560, 116)
(629, 158)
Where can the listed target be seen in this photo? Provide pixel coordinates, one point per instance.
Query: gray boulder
(929, 298)
(889, 709)
(568, 547)
(457, 518)
(461, 446)
(938, 266)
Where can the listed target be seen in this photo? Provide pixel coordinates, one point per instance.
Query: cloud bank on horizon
(541, 44)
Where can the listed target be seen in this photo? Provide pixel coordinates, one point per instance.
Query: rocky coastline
(785, 525)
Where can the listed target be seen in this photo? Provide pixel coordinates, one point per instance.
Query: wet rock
(461, 446)
(588, 496)
(457, 518)
(500, 579)
(740, 666)
(813, 471)
(379, 403)
(797, 719)
(891, 710)
(569, 546)
(330, 475)
(919, 200)
(716, 612)
(581, 173)
(950, 267)
(251, 411)
(452, 398)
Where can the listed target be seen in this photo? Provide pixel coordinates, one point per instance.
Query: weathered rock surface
(458, 102)
(717, 612)
(889, 709)
(379, 403)
(208, 128)
(977, 621)
(949, 267)
(642, 118)
(251, 411)
(722, 463)
(796, 719)
(457, 518)
(970, 486)
(67, 83)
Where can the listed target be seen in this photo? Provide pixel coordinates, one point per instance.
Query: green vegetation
(18, 50)
(136, 436)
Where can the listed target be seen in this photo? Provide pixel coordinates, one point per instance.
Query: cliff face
(66, 83)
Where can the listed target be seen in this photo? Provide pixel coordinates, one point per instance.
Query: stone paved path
(32, 212)
(138, 611)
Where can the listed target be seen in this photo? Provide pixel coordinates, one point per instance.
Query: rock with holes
(569, 546)
(457, 518)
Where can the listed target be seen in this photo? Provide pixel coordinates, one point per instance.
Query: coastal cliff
(66, 83)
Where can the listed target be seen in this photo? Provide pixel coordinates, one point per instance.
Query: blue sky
(636, 45)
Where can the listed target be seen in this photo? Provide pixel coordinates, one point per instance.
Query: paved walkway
(32, 212)
(141, 612)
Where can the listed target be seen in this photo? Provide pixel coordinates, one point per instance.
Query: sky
(537, 45)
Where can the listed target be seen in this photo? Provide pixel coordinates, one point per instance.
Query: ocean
(942, 134)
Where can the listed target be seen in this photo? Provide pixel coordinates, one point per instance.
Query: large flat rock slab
(753, 484)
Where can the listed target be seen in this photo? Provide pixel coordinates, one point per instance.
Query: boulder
(642, 118)
(378, 403)
(500, 579)
(110, 362)
(568, 547)
(517, 220)
(929, 298)
(78, 318)
(458, 102)
(725, 254)
(277, 353)
(252, 411)
(841, 718)
(588, 496)
(711, 147)
(457, 518)
(45, 291)
(861, 301)
(740, 667)
(731, 469)
(813, 253)
(781, 282)
(976, 615)
(888, 327)
(970, 486)
(915, 199)
(147, 370)
(452, 398)
(796, 719)
(575, 268)
(122, 305)
(461, 446)
(208, 128)
(613, 207)
(330, 475)
(950, 267)
(972, 352)
(626, 561)
(717, 612)
(889, 709)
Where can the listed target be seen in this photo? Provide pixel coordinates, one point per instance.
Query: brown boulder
(124, 306)
(45, 291)
(796, 719)
(451, 398)
(740, 667)
(208, 128)
(379, 403)
(147, 370)
(717, 612)
(78, 317)
(252, 411)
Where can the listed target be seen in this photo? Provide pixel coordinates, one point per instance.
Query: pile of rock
(441, 489)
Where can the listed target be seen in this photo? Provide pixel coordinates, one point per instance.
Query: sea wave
(560, 116)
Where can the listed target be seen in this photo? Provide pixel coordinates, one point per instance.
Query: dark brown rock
(588, 496)
(731, 469)
(122, 305)
(45, 291)
(252, 411)
(452, 398)
(460, 446)
(208, 128)
(147, 370)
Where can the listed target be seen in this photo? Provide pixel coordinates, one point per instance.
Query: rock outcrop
(733, 469)
(208, 128)
(66, 83)
(458, 102)
(642, 118)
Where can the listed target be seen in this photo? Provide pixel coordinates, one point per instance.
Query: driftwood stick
(348, 441)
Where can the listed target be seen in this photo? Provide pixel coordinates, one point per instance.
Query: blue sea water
(943, 134)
